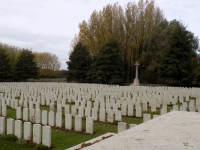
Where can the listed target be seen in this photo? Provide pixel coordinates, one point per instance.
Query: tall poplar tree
(130, 24)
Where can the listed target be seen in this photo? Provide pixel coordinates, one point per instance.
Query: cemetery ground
(31, 101)
(63, 138)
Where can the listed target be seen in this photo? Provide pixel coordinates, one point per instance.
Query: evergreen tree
(108, 64)
(175, 65)
(79, 63)
(25, 67)
(5, 68)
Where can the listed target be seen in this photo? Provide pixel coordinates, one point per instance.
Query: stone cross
(136, 80)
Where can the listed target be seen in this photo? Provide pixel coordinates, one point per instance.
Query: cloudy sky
(50, 25)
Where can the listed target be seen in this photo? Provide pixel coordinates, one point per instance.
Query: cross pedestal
(136, 80)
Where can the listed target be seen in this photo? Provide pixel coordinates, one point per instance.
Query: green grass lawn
(62, 138)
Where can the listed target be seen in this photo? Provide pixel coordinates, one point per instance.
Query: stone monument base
(136, 82)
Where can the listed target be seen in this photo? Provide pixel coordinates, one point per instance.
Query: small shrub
(22, 141)
(42, 147)
(10, 137)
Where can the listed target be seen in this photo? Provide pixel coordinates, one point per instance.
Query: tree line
(18, 64)
(166, 50)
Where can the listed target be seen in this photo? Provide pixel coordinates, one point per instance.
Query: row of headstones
(38, 106)
(112, 114)
(125, 109)
(114, 105)
(40, 134)
(54, 119)
(58, 101)
(35, 115)
(78, 89)
(91, 87)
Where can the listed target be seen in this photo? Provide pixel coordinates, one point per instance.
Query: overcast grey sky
(50, 25)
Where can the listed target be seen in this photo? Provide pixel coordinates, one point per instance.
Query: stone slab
(182, 126)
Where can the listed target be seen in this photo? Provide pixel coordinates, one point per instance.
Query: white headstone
(88, 112)
(146, 117)
(51, 118)
(37, 105)
(102, 115)
(27, 130)
(96, 105)
(37, 133)
(163, 111)
(121, 126)
(144, 107)
(32, 115)
(38, 116)
(68, 121)
(30, 105)
(78, 123)
(110, 116)
(16, 104)
(52, 107)
(46, 136)
(124, 109)
(4, 110)
(10, 126)
(2, 125)
(73, 110)
(25, 114)
(81, 111)
(89, 125)
(153, 107)
(44, 117)
(138, 111)
(67, 109)
(58, 119)
(89, 104)
(118, 116)
(130, 110)
(95, 114)
(19, 113)
(59, 108)
(18, 128)
(25, 104)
